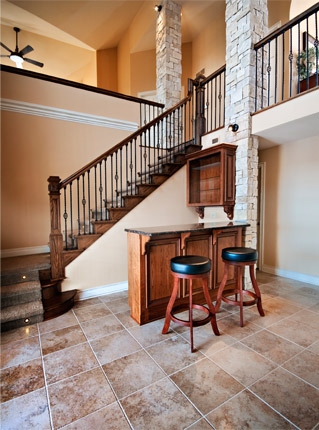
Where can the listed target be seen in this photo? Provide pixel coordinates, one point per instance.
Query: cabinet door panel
(198, 245)
(224, 239)
(159, 278)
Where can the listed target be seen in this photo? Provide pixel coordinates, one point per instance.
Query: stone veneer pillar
(246, 24)
(168, 54)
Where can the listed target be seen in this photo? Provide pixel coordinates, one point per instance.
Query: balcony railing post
(200, 120)
(56, 239)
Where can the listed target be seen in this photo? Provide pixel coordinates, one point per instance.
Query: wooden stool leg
(170, 305)
(257, 291)
(221, 288)
(191, 312)
(240, 282)
(210, 307)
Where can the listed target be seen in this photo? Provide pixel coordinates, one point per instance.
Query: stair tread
(91, 235)
(21, 288)
(25, 262)
(21, 311)
(55, 302)
(107, 221)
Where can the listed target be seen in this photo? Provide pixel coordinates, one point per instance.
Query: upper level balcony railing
(287, 60)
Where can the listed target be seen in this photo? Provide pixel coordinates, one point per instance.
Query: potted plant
(302, 62)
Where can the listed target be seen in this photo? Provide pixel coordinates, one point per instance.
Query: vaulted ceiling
(101, 24)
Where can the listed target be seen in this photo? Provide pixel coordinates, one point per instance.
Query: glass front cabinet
(211, 178)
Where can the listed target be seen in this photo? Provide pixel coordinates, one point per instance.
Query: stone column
(168, 54)
(246, 24)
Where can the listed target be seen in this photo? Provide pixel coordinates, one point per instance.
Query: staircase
(92, 201)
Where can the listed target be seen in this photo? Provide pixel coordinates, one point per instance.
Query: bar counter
(150, 250)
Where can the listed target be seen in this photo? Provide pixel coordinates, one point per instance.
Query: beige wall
(209, 47)
(105, 262)
(291, 207)
(187, 58)
(60, 59)
(34, 148)
(143, 71)
(106, 65)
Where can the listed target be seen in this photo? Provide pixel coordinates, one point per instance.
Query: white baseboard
(17, 252)
(308, 279)
(101, 291)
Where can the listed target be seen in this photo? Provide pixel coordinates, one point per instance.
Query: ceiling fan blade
(5, 47)
(36, 63)
(26, 50)
(7, 56)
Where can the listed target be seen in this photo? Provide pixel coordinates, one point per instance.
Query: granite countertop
(184, 228)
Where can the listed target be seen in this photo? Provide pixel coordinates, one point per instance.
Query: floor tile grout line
(45, 381)
(274, 409)
(107, 379)
(298, 377)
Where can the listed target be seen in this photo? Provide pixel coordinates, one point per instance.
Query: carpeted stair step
(17, 294)
(22, 315)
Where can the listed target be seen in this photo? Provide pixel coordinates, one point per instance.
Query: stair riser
(116, 215)
(16, 278)
(85, 241)
(169, 169)
(19, 299)
(145, 190)
(68, 257)
(10, 325)
(102, 228)
(131, 202)
(158, 179)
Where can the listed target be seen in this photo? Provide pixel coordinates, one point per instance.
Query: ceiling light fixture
(17, 59)
(233, 127)
(158, 8)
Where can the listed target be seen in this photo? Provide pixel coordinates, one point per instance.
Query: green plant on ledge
(302, 62)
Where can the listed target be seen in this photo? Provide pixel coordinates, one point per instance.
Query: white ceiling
(101, 24)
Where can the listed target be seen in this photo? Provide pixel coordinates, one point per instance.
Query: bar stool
(240, 257)
(190, 267)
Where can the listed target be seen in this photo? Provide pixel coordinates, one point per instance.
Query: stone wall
(168, 54)
(246, 24)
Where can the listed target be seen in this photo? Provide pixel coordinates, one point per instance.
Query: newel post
(56, 238)
(200, 120)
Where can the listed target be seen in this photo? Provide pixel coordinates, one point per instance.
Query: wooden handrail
(213, 75)
(286, 26)
(125, 141)
(78, 85)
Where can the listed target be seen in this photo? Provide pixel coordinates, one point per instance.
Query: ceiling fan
(18, 56)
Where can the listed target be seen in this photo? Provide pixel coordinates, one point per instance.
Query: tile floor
(95, 368)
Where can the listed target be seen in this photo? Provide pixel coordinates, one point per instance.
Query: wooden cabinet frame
(211, 178)
(150, 279)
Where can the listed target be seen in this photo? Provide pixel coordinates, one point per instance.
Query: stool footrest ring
(196, 323)
(237, 302)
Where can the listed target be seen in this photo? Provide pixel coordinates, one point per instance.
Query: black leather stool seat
(242, 255)
(190, 264)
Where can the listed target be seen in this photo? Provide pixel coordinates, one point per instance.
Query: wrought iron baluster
(116, 182)
(220, 99)
(262, 76)
(290, 62)
(131, 165)
(95, 192)
(65, 216)
(316, 47)
(71, 215)
(283, 67)
(141, 120)
(211, 104)
(215, 103)
(135, 167)
(224, 96)
(101, 192)
(149, 154)
(112, 184)
(121, 176)
(83, 202)
(145, 157)
(78, 193)
(105, 189)
(126, 168)
(268, 72)
(276, 53)
(154, 144)
(89, 195)
(307, 50)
